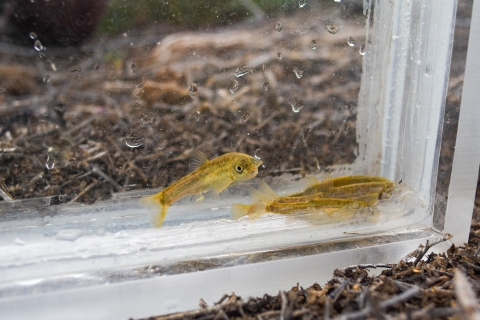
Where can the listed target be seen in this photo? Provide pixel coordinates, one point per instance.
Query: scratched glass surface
(105, 105)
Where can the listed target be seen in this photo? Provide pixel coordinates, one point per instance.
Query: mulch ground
(78, 125)
(441, 286)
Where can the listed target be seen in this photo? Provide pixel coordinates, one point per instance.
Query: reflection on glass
(178, 65)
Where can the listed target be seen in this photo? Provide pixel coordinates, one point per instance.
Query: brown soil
(444, 286)
(115, 117)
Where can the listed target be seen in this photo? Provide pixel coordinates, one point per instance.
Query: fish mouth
(253, 172)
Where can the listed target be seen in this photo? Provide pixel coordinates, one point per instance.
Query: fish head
(388, 189)
(245, 167)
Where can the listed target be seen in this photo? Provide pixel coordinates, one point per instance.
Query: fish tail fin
(157, 209)
(259, 205)
(258, 196)
(240, 210)
(253, 211)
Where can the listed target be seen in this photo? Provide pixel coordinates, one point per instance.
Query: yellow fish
(328, 183)
(210, 175)
(266, 201)
(350, 191)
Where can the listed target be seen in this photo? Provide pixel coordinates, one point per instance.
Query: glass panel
(97, 108)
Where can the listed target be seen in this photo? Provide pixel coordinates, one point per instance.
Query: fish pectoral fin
(212, 195)
(220, 185)
(191, 198)
(197, 158)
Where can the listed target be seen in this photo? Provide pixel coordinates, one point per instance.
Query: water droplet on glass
(279, 26)
(243, 70)
(266, 86)
(365, 7)
(337, 0)
(140, 83)
(50, 164)
(264, 68)
(133, 139)
(51, 64)
(75, 69)
(95, 65)
(193, 91)
(298, 72)
(134, 67)
(38, 45)
(351, 42)
(279, 56)
(46, 78)
(137, 106)
(148, 117)
(332, 28)
(41, 55)
(69, 234)
(297, 104)
(33, 35)
(245, 116)
(19, 241)
(258, 154)
(302, 3)
(235, 86)
(122, 234)
(362, 49)
(428, 71)
(313, 45)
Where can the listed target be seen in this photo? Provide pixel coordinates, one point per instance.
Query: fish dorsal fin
(197, 158)
(267, 191)
(316, 187)
(257, 196)
(327, 182)
(311, 186)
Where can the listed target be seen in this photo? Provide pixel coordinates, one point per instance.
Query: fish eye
(239, 168)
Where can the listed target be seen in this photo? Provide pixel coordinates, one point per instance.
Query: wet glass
(102, 109)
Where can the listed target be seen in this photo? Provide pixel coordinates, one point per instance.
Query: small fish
(335, 194)
(263, 203)
(209, 175)
(347, 191)
(328, 183)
